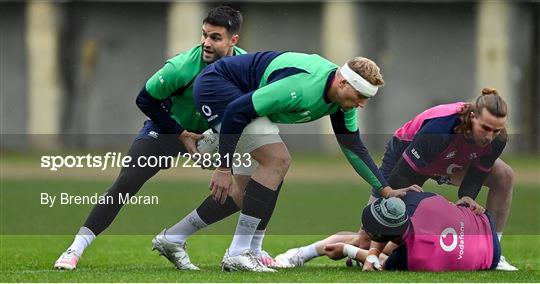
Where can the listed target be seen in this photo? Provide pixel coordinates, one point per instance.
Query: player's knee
(504, 175)
(279, 161)
(283, 162)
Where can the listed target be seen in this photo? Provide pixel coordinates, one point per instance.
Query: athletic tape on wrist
(350, 251)
(374, 260)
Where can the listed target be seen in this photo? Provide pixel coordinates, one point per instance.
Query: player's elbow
(142, 100)
(145, 101)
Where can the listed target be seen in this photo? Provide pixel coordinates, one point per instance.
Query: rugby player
(412, 234)
(287, 88)
(174, 125)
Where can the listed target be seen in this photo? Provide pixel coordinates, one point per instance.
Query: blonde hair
(490, 100)
(367, 69)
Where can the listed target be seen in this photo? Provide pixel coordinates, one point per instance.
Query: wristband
(350, 251)
(224, 171)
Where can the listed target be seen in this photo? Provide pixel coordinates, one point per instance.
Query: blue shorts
(168, 143)
(397, 260)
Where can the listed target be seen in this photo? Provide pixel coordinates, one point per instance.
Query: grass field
(320, 197)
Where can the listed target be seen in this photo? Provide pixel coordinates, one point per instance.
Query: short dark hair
(225, 16)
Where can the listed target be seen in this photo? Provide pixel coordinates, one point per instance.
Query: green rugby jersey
(174, 82)
(298, 98)
(292, 89)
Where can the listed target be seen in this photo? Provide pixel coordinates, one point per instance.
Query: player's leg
(500, 181)
(171, 242)
(173, 239)
(258, 133)
(129, 181)
(259, 201)
(296, 257)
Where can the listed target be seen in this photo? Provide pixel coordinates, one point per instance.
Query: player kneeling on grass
(422, 232)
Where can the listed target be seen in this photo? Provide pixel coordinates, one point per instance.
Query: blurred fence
(75, 67)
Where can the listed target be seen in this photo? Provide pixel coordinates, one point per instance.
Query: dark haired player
(174, 125)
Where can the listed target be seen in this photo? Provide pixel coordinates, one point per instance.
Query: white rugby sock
(82, 240)
(309, 252)
(245, 229)
(256, 242)
(185, 228)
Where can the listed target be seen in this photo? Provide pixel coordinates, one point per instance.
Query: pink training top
(409, 129)
(436, 150)
(446, 237)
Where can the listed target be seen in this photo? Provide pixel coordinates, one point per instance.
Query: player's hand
(475, 207)
(368, 266)
(388, 192)
(334, 251)
(372, 266)
(189, 139)
(221, 184)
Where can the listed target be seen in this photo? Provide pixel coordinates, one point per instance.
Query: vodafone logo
(456, 240)
(453, 244)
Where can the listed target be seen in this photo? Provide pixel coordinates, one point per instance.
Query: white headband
(360, 84)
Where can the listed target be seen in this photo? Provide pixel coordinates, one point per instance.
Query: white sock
(82, 240)
(309, 252)
(185, 228)
(256, 242)
(499, 235)
(245, 229)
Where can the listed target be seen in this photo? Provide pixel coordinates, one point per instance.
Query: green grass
(129, 259)
(32, 236)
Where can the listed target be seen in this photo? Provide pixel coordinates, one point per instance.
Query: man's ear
(343, 82)
(234, 39)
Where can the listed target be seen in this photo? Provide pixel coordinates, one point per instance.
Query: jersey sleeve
(156, 111)
(346, 131)
(280, 96)
(477, 173)
(167, 80)
(431, 140)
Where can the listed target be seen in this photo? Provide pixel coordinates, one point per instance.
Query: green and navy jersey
(286, 87)
(173, 85)
(299, 97)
